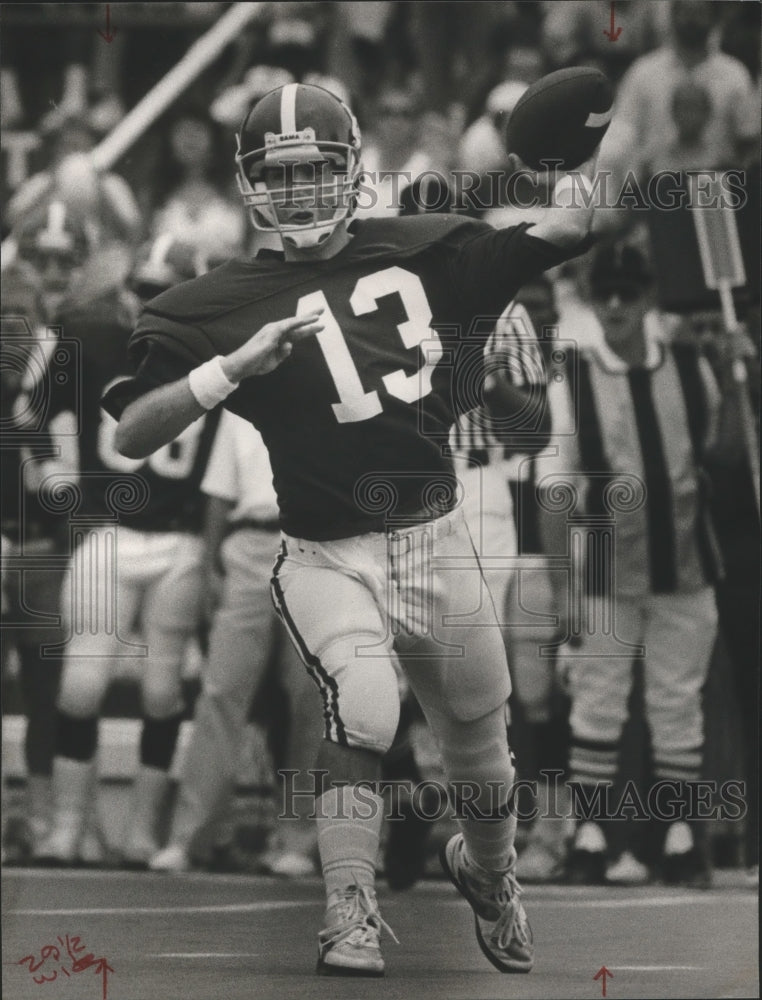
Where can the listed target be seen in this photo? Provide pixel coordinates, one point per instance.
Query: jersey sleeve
(163, 350)
(491, 265)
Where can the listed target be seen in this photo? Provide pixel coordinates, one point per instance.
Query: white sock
(348, 828)
(489, 843)
(476, 753)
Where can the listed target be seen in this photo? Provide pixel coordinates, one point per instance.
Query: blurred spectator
(574, 33)
(397, 150)
(737, 518)
(33, 533)
(103, 202)
(194, 204)
(517, 58)
(644, 119)
(60, 54)
(230, 106)
(296, 36)
(694, 146)
(359, 43)
(650, 415)
(482, 146)
(242, 536)
(56, 244)
(136, 551)
(459, 48)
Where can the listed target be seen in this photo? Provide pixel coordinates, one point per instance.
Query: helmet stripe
(288, 108)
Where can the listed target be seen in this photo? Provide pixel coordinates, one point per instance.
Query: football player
(52, 249)
(136, 555)
(353, 351)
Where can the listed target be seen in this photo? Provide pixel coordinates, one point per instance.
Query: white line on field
(656, 968)
(119, 910)
(205, 954)
(626, 904)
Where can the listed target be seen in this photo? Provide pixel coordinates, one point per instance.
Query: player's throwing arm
(159, 416)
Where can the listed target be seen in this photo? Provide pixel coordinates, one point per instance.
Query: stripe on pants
(329, 690)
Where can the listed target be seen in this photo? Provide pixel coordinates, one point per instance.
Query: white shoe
(627, 870)
(172, 859)
(349, 945)
(60, 848)
(138, 852)
(502, 928)
(288, 864)
(149, 792)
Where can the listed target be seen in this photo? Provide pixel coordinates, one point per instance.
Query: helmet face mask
(299, 182)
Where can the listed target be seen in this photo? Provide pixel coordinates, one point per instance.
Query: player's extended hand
(270, 346)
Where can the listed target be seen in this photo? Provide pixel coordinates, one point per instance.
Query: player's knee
(83, 687)
(162, 695)
(361, 704)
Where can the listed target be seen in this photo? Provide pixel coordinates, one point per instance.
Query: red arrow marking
(104, 968)
(612, 34)
(109, 36)
(603, 971)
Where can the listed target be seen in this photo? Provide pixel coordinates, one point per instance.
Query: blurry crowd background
(431, 84)
(427, 81)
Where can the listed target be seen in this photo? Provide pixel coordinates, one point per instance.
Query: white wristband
(209, 383)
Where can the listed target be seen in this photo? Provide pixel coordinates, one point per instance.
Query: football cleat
(685, 860)
(502, 928)
(586, 862)
(349, 945)
(298, 163)
(627, 870)
(288, 864)
(173, 859)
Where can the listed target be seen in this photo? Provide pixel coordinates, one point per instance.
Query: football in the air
(562, 117)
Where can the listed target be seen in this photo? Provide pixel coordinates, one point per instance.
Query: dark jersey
(24, 516)
(160, 493)
(357, 419)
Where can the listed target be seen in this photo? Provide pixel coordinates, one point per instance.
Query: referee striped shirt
(641, 436)
(513, 350)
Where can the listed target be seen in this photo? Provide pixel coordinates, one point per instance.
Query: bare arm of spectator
(215, 528)
(735, 366)
(743, 108)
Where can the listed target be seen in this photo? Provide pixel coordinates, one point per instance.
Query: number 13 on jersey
(354, 402)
